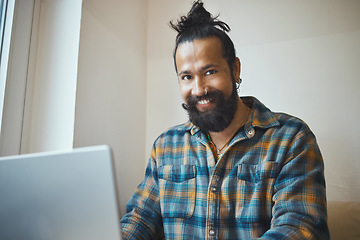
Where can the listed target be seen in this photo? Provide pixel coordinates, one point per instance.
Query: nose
(199, 87)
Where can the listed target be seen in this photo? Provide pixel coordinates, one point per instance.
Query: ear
(237, 69)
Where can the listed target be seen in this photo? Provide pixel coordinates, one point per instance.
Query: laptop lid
(59, 195)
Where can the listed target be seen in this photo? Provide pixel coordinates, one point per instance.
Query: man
(236, 170)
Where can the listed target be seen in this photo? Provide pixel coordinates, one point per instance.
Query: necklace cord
(219, 150)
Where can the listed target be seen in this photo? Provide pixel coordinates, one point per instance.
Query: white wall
(50, 106)
(299, 57)
(163, 100)
(110, 98)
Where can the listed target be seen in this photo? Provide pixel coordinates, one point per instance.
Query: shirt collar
(260, 116)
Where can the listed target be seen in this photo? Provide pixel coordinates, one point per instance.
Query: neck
(221, 138)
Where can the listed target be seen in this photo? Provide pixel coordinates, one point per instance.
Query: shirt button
(251, 132)
(212, 233)
(213, 189)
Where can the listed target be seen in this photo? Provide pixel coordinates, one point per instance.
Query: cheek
(228, 87)
(225, 87)
(229, 90)
(185, 91)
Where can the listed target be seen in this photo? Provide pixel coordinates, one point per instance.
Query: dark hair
(199, 24)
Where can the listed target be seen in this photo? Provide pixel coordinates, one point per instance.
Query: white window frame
(21, 25)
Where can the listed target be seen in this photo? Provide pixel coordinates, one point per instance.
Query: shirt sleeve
(143, 218)
(299, 210)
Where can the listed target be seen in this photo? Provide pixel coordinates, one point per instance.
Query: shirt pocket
(254, 191)
(177, 185)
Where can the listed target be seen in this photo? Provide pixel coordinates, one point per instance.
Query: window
(5, 28)
(3, 4)
(13, 70)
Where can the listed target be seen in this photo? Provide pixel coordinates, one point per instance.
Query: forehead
(200, 52)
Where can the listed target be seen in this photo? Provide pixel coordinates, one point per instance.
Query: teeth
(204, 101)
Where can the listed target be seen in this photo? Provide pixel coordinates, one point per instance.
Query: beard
(217, 119)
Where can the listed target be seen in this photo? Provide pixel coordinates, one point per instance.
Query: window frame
(20, 27)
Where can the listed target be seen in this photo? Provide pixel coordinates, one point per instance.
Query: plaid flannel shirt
(269, 184)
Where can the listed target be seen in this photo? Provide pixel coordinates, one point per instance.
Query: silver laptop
(59, 196)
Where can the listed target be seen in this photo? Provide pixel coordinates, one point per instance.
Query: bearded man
(236, 170)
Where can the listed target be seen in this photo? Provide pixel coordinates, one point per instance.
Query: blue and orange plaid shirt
(269, 184)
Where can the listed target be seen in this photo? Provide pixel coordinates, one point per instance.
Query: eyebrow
(202, 69)
(183, 72)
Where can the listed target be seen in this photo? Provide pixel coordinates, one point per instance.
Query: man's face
(206, 83)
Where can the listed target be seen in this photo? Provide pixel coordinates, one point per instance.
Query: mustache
(192, 100)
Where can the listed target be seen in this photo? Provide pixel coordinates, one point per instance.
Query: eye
(186, 77)
(209, 72)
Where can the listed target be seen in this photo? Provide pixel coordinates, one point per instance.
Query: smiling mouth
(204, 101)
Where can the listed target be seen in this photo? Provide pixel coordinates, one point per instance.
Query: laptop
(67, 195)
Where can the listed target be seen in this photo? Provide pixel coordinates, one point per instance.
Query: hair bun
(198, 16)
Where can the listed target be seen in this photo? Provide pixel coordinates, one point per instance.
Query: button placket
(213, 208)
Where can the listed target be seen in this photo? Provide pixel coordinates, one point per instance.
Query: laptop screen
(60, 195)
